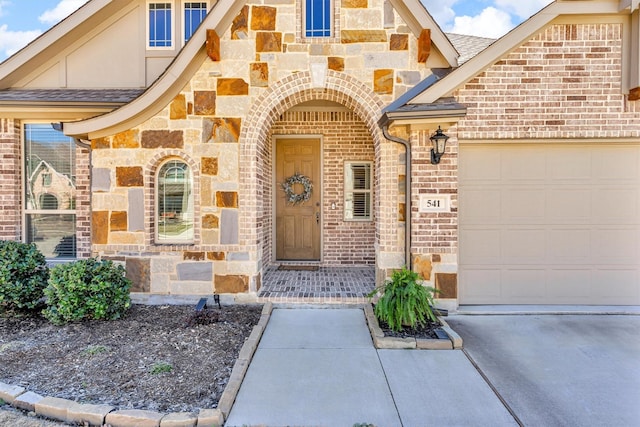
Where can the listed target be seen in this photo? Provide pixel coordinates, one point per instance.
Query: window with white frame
(357, 191)
(174, 203)
(194, 13)
(50, 190)
(318, 15)
(160, 24)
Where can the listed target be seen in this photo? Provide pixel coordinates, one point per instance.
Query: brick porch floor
(327, 285)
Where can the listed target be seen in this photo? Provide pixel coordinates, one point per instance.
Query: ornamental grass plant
(404, 302)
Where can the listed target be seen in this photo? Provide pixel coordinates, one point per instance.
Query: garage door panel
(569, 246)
(478, 166)
(569, 205)
(523, 206)
(617, 164)
(481, 206)
(486, 285)
(524, 286)
(616, 206)
(523, 246)
(570, 285)
(482, 246)
(568, 220)
(619, 286)
(523, 166)
(567, 165)
(616, 246)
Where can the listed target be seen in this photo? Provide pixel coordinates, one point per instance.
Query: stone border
(382, 342)
(97, 415)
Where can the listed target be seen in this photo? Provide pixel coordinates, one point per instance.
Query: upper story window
(160, 24)
(194, 13)
(357, 191)
(318, 15)
(175, 208)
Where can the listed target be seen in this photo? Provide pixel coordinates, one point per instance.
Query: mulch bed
(160, 358)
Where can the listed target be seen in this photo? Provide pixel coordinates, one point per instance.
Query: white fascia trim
(418, 18)
(510, 41)
(163, 90)
(629, 4)
(48, 38)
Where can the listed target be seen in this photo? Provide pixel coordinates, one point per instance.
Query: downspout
(407, 192)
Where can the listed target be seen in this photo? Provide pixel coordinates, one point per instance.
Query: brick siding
(10, 180)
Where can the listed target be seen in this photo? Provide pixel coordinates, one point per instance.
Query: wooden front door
(298, 225)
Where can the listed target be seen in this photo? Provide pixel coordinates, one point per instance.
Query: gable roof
(174, 77)
(516, 37)
(469, 46)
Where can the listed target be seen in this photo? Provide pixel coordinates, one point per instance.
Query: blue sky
(23, 20)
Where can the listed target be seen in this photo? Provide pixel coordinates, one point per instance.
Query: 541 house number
(434, 203)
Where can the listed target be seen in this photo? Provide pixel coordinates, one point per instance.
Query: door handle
(317, 217)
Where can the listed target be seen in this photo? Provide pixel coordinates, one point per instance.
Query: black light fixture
(439, 141)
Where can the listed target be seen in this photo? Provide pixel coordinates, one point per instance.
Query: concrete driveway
(559, 370)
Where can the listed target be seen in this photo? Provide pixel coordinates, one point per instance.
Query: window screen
(174, 213)
(50, 191)
(317, 18)
(357, 192)
(194, 13)
(160, 25)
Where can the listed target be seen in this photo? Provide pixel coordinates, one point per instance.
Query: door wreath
(293, 197)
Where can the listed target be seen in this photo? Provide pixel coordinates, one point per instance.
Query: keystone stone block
(134, 418)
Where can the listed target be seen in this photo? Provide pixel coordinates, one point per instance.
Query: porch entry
(298, 224)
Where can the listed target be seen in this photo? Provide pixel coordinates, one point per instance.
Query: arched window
(174, 198)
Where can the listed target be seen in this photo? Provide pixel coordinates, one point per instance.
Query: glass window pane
(318, 18)
(194, 13)
(53, 234)
(160, 25)
(175, 203)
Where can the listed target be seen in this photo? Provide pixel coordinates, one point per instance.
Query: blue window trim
(194, 14)
(318, 16)
(160, 23)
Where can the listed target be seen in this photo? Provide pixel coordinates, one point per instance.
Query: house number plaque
(434, 203)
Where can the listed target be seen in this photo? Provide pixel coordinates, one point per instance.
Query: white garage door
(549, 224)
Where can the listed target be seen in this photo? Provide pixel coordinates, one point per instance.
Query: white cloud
(13, 41)
(61, 11)
(491, 22)
(520, 8)
(3, 4)
(441, 10)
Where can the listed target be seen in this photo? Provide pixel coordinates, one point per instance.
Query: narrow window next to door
(357, 191)
(317, 18)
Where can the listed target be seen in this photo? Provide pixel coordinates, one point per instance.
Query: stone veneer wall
(10, 180)
(221, 124)
(344, 138)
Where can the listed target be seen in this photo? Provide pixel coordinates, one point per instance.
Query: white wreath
(295, 198)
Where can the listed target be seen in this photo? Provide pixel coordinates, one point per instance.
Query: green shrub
(404, 301)
(23, 275)
(87, 289)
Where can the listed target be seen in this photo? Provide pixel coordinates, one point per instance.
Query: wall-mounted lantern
(439, 141)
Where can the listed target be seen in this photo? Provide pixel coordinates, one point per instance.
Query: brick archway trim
(290, 91)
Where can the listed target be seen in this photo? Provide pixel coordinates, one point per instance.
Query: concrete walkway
(318, 367)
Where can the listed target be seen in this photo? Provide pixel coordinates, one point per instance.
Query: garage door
(549, 224)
